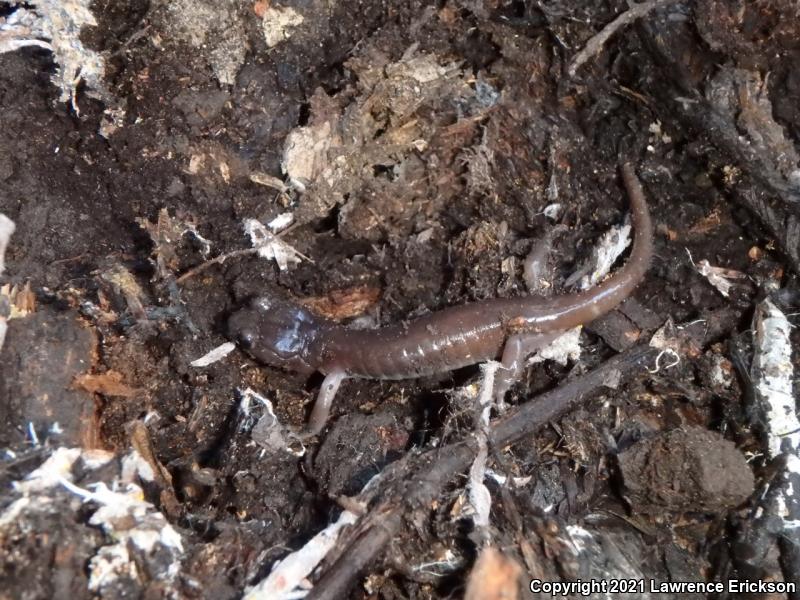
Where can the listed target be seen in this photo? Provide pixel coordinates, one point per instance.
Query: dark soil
(434, 193)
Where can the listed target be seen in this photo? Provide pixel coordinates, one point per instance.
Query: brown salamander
(282, 334)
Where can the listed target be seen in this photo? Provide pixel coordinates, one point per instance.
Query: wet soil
(422, 149)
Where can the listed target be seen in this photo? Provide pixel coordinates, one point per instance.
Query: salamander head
(276, 333)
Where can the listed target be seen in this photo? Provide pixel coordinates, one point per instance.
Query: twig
(235, 254)
(595, 45)
(216, 260)
(415, 484)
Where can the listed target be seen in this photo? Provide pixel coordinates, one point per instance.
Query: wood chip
(108, 384)
(344, 304)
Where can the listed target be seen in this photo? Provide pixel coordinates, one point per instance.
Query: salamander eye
(245, 339)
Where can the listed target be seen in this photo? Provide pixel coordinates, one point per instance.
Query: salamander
(282, 334)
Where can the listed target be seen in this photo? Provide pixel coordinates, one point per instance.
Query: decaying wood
(734, 112)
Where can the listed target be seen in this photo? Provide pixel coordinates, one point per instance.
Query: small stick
(235, 254)
(595, 44)
(216, 260)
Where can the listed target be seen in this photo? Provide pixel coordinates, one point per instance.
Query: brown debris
(140, 441)
(260, 7)
(495, 576)
(344, 304)
(107, 384)
(623, 327)
(708, 223)
(348, 137)
(616, 330)
(166, 234)
(22, 300)
(124, 283)
(755, 253)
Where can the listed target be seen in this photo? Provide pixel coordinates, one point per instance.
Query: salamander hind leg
(517, 348)
(322, 406)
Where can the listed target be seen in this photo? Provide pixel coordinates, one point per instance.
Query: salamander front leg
(518, 347)
(322, 406)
